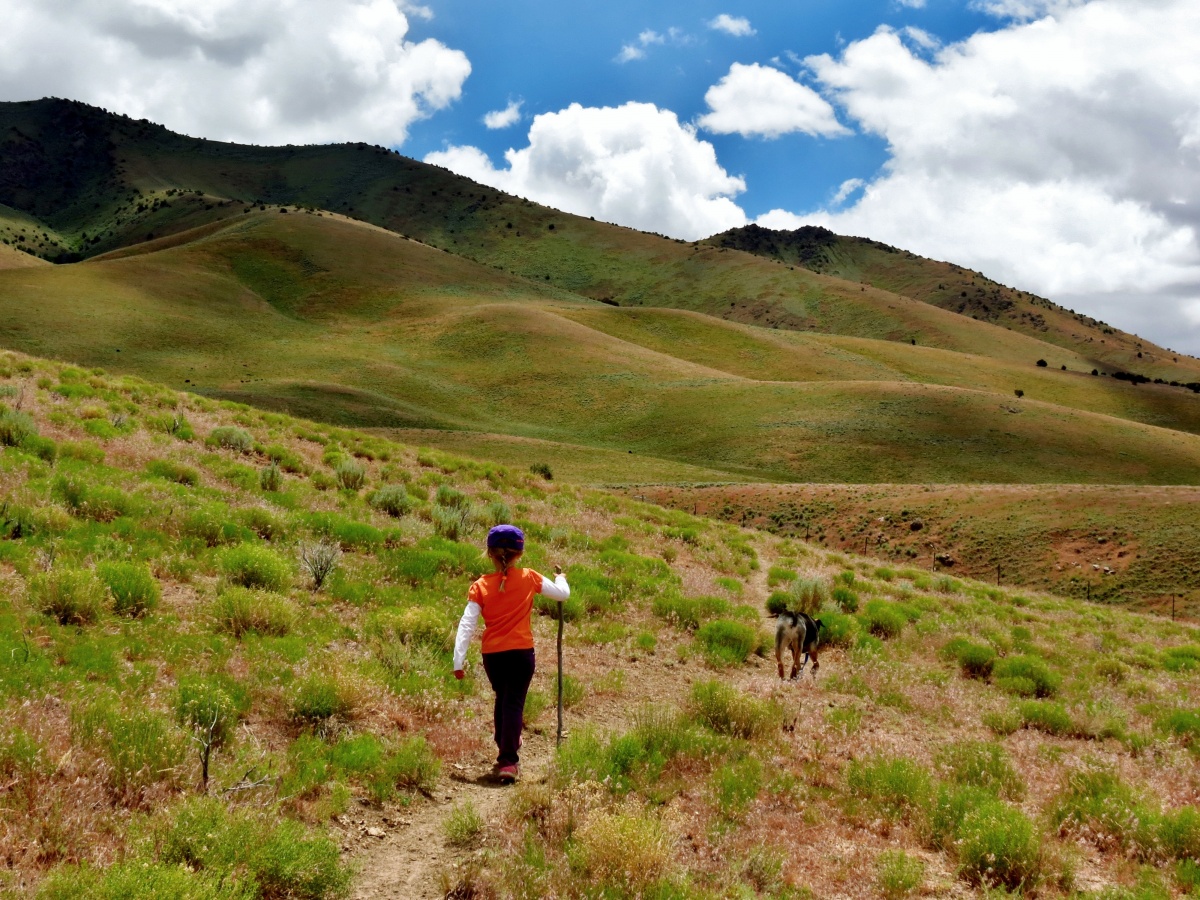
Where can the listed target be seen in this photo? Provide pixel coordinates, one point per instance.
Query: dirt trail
(408, 851)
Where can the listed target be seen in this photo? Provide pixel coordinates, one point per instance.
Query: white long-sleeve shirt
(558, 589)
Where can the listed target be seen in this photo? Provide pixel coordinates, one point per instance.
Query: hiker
(505, 598)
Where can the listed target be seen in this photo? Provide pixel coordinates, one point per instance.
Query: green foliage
(999, 846)
(72, 596)
(838, 629)
(495, 513)
(735, 785)
(140, 880)
(689, 612)
(392, 499)
(1026, 676)
(728, 711)
(350, 474)
(980, 764)
(846, 599)
(270, 478)
(463, 825)
(802, 595)
(1183, 724)
(97, 502)
(173, 471)
(975, 660)
(897, 874)
(239, 610)
(201, 704)
(274, 857)
(231, 438)
(174, 424)
(139, 744)
(15, 427)
(542, 469)
(255, 566)
(1047, 716)
(1181, 659)
(132, 586)
(896, 788)
(883, 619)
(319, 698)
(727, 642)
(450, 522)
(777, 575)
(418, 625)
(1095, 802)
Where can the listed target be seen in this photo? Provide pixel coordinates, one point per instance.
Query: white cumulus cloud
(759, 100)
(503, 118)
(634, 164)
(258, 71)
(1055, 154)
(738, 26)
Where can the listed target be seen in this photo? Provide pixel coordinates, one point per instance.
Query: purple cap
(506, 537)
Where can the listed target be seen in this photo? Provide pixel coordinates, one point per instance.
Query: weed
(1003, 722)
(883, 619)
(726, 710)
(132, 586)
(838, 629)
(1181, 659)
(139, 745)
(138, 880)
(270, 478)
(239, 610)
(97, 502)
(734, 786)
(253, 566)
(727, 642)
(463, 825)
(416, 625)
(1183, 724)
(777, 575)
(897, 788)
(392, 499)
(318, 560)
(15, 427)
(897, 874)
(542, 469)
(1046, 716)
(350, 474)
(625, 853)
(1096, 803)
(318, 699)
(72, 596)
(1000, 847)
(173, 471)
(688, 612)
(450, 522)
(846, 599)
(496, 513)
(1026, 676)
(981, 764)
(231, 438)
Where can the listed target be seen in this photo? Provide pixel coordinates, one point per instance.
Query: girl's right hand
(558, 570)
(459, 674)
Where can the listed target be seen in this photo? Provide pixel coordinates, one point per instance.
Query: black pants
(510, 672)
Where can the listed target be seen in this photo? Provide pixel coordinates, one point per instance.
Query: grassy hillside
(338, 320)
(1110, 544)
(157, 596)
(951, 287)
(133, 181)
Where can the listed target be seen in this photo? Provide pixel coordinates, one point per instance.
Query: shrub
(392, 499)
(15, 427)
(351, 475)
(625, 853)
(949, 808)
(270, 478)
(542, 469)
(133, 587)
(464, 825)
(173, 471)
(139, 744)
(976, 660)
(136, 880)
(897, 788)
(999, 847)
(803, 595)
(898, 874)
(450, 522)
(496, 513)
(416, 625)
(43, 448)
(1183, 724)
(448, 496)
(201, 704)
(97, 502)
(231, 438)
(254, 566)
(1045, 716)
(319, 698)
(262, 522)
(238, 610)
(983, 765)
(413, 765)
(882, 619)
(285, 459)
(1026, 676)
(780, 575)
(735, 785)
(1179, 834)
(1096, 803)
(727, 710)
(72, 596)
(1181, 659)
(174, 424)
(727, 642)
(845, 598)
(319, 560)
(688, 612)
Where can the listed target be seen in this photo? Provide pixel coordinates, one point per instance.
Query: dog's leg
(816, 663)
(779, 652)
(795, 659)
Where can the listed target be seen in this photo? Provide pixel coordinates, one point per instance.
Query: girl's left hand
(459, 674)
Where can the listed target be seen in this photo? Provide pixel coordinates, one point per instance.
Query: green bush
(1181, 659)
(72, 596)
(277, 857)
(138, 880)
(416, 625)
(174, 424)
(542, 469)
(270, 478)
(1183, 724)
(999, 846)
(780, 575)
(496, 513)
(975, 660)
(1046, 716)
(949, 807)
(838, 629)
(253, 566)
(173, 471)
(896, 788)
(43, 448)
(450, 522)
(846, 599)
(1179, 834)
(726, 710)
(15, 427)
(806, 595)
(883, 619)
(1095, 802)
(203, 705)
(689, 612)
(464, 825)
(97, 502)
(897, 874)
(1026, 676)
(238, 610)
(351, 475)
(84, 451)
(727, 642)
(735, 785)
(140, 745)
(319, 698)
(392, 499)
(285, 459)
(980, 764)
(231, 438)
(133, 587)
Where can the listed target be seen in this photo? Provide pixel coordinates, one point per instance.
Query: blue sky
(549, 55)
(1052, 144)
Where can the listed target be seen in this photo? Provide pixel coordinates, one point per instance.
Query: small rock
(375, 832)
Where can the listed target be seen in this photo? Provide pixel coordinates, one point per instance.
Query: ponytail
(503, 557)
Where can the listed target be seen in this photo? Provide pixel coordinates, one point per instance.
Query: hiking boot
(506, 774)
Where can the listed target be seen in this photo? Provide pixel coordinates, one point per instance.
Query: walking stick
(559, 742)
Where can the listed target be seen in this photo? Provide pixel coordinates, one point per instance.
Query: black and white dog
(801, 634)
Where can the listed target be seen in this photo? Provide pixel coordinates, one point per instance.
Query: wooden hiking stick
(558, 742)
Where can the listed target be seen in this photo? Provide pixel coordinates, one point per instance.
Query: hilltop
(162, 590)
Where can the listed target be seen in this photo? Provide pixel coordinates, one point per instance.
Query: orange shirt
(506, 613)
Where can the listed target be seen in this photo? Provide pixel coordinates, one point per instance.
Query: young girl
(505, 597)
